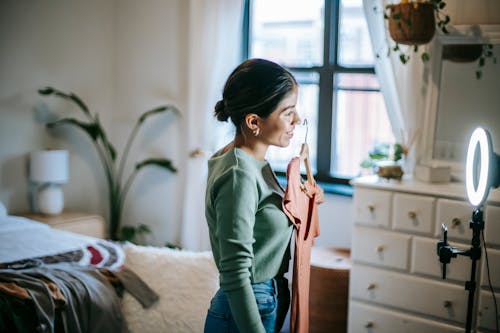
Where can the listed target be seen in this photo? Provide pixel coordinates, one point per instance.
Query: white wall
(122, 58)
(150, 58)
(67, 44)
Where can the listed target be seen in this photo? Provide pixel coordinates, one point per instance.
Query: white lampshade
(49, 166)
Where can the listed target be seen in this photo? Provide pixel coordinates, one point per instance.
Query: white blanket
(21, 238)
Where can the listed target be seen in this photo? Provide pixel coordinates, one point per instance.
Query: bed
(183, 281)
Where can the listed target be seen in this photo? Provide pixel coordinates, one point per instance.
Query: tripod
(446, 252)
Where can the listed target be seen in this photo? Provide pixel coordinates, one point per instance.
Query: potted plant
(414, 23)
(114, 169)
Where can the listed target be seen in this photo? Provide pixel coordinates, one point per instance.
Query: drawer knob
(371, 286)
(380, 248)
(371, 208)
(447, 304)
(412, 214)
(369, 324)
(455, 222)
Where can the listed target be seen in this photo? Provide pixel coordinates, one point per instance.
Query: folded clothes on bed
(67, 297)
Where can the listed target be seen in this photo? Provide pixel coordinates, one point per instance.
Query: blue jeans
(273, 300)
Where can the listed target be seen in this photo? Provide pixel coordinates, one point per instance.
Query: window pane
(361, 123)
(307, 106)
(289, 32)
(355, 48)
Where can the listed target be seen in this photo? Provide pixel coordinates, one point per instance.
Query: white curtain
(403, 86)
(215, 29)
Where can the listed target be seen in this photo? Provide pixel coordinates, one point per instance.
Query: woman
(249, 232)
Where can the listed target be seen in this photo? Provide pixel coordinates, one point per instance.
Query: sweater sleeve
(236, 204)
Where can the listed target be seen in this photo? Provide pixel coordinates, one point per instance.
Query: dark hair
(255, 86)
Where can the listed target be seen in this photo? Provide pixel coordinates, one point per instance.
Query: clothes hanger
(304, 156)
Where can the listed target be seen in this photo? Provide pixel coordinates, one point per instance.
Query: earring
(256, 132)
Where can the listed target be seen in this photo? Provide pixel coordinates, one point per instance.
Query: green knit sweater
(249, 233)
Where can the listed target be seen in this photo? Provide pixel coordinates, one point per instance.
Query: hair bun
(220, 111)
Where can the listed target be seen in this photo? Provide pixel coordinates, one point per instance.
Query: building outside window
(326, 45)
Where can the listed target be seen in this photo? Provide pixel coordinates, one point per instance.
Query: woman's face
(277, 129)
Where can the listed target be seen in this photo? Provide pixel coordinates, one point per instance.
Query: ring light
(480, 142)
(482, 173)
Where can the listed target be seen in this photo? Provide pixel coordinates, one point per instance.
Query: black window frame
(326, 72)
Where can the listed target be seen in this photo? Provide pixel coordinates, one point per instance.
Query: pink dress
(299, 204)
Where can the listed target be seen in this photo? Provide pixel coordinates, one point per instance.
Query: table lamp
(49, 169)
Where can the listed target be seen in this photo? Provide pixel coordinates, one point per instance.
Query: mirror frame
(459, 34)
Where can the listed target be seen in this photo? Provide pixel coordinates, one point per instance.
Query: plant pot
(462, 52)
(412, 23)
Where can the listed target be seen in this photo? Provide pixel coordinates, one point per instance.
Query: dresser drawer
(456, 216)
(492, 225)
(413, 213)
(430, 297)
(368, 319)
(372, 207)
(486, 310)
(494, 263)
(426, 261)
(379, 247)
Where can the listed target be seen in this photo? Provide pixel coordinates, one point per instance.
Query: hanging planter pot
(412, 23)
(462, 52)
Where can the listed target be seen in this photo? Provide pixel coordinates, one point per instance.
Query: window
(326, 45)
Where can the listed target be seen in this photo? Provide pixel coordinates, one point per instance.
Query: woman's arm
(236, 204)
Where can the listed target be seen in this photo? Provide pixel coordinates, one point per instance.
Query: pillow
(185, 281)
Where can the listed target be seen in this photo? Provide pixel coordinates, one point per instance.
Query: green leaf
(80, 103)
(403, 58)
(415, 48)
(46, 91)
(367, 163)
(479, 74)
(160, 162)
(396, 16)
(447, 19)
(425, 57)
(72, 97)
(444, 30)
(90, 128)
(398, 152)
(481, 62)
(102, 134)
(164, 108)
(128, 233)
(442, 5)
(143, 229)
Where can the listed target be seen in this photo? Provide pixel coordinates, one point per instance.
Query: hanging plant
(487, 53)
(462, 52)
(414, 23)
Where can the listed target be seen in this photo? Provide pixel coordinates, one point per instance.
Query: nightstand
(81, 223)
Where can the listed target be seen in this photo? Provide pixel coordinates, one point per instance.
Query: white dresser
(395, 281)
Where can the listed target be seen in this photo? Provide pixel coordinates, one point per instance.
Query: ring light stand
(482, 170)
